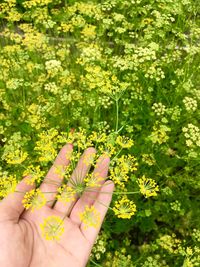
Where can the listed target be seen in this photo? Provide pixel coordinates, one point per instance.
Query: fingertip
(90, 150)
(69, 146)
(109, 184)
(25, 184)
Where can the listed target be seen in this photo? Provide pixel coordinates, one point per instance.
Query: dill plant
(123, 71)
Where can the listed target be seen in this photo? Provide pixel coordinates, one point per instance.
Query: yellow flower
(34, 199)
(66, 137)
(66, 194)
(35, 3)
(53, 66)
(90, 217)
(98, 137)
(81, 139)
(88, 158)
(7, 185)
(48, 155)
(34, 174)
(60, 170)
(46, 145)
(65, 27)
(124, 208)
(127, 163)
(14, 15)
(148, 159)
(89, 31)
(159, 134)
(16, 157)
(93, 180)
(148, 187)
(118, 176)
(124, 141)
(52, 228)
(108, 149)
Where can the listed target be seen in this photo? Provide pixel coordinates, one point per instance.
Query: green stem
(96, 264)
(117, 114)
(115, 192)
(126, 193)
(112, 159)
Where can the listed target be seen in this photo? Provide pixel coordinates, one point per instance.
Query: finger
(55, 175)
(76, 179)
(11, 207)
(101, 205)
(91, 193)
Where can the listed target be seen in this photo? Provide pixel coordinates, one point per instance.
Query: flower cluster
(196, 234)
(99, 248)
(34, 174)
(119, 258)
(148, 186)
(51, 87)
(154, 261)
(45, 146)
(13, 151)
(192, 135)
(190, 104)
(90, 217)
(159, 134)
(34, 199)
(159, 109)
(123, 166)
(53, 66)
(52, 228)
(148, 159)
(124, 208)
(66, 194)
(124, 142)
(8, 184)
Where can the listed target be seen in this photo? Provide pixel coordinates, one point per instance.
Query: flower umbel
(34, 199)
(124, 142)
(88, 158)
(148, 187)
(66, 194)
(16, 157)
(90, 217)
(34, 174)
(128, 163)
(7, 185)
(93, 180)
(52, 228)
(119, 176)
(60, 171)
(124, 208)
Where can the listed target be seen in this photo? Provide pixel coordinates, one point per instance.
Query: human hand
(21, 240)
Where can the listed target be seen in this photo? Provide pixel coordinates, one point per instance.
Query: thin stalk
(115, 192)
(117, 114)
(96, 264)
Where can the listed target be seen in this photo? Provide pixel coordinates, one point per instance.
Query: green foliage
(130, 67)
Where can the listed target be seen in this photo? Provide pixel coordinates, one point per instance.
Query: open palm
(21, 240)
